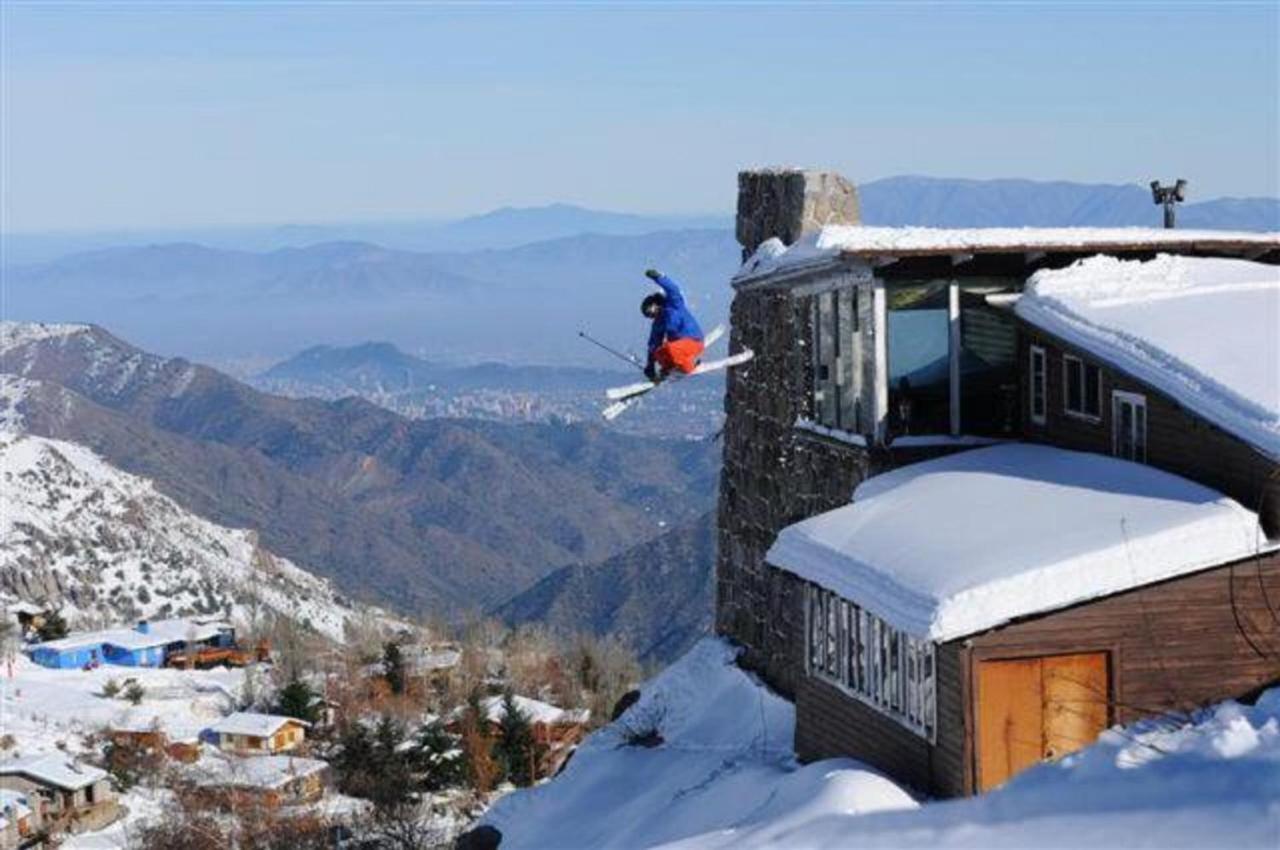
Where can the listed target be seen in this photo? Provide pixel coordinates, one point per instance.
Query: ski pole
(615, 352)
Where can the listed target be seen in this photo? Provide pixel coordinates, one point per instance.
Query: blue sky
(150, 115)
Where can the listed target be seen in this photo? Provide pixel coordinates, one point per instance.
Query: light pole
(1169, 196)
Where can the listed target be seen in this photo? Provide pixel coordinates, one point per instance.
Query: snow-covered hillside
(724, 777)
(102, 544)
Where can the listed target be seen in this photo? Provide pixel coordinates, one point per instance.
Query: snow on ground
(1203, 330)
(722, 781)
(726, 758)
(68, 511)
(824, 245)
(46, 710)
(1131, 525)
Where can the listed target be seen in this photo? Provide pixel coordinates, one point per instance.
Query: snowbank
(726, 757)
(720, 782)
(915, 545)
(1205, 331)
(826, 244)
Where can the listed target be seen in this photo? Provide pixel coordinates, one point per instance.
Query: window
(1129, 426)
(1038, 405)
(881, 666)
(837, 361)
(1081, 388)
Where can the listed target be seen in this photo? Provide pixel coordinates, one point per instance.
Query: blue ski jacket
(675, 321)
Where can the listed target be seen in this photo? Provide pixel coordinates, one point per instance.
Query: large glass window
(837, 361)
(879, 665)
(919, 350)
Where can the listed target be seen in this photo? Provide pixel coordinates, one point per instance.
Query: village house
(64, 795)
(247, 733)
(178, 739)
(26, 616)
(262, 781)
(987, 492)
(19, 822)
(148, 644)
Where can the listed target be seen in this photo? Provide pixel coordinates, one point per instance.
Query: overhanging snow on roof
(54, 769)
(957, 545)
(1205, 331)
(254, 725)
(833, 242)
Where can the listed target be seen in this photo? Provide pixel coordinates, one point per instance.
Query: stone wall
(773, 476)
(786, 202)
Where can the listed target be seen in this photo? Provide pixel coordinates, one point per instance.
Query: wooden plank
(1075, 700)
(1010, 724)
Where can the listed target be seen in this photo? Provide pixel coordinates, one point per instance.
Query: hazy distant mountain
(657, 596)
(519, 304)
(426, 515)
(383, 368)
(945, 202)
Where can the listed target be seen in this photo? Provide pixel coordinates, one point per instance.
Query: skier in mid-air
(675, 339)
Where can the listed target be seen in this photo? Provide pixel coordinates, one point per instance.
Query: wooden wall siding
(1176, 645)
(1178, 441)
(831, 723)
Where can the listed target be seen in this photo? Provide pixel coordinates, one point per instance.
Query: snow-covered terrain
(103, 545)
(1204, 330)
(725, 777)
(1131, 525)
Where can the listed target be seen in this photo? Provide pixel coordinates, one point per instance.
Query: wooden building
(257, 781)
(19, 822)
(923, 361)
(248, 733)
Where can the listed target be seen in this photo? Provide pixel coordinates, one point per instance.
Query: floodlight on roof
(1168, 196)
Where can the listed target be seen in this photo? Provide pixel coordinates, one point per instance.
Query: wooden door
(1031, 709)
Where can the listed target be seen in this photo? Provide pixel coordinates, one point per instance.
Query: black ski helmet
(652, 304)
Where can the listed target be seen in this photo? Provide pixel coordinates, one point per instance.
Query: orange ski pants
(679, 354)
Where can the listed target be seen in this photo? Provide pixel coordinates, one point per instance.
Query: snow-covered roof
(257, 725)
(158, 633)
(261, 772)
(956, 545)
(1206, 331)
(24, 608)
(834, 241)
(54, 769)
(181, 728)
(536, 710)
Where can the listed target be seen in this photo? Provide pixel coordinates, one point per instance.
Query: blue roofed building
(146, 645)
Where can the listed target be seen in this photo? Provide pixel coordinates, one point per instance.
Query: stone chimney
(788, 202)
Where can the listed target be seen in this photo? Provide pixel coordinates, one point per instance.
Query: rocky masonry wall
(772, 476)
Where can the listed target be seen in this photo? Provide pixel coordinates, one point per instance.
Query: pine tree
(393, 667)
(437, 758)
(297, 699)
(515, 747)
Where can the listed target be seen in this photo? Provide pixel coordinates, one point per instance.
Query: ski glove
(652, 274)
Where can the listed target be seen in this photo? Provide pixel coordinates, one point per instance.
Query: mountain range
(514, 285)
(102, 546)
(443, 516)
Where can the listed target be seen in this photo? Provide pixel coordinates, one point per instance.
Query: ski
(615, 393)
(616, 409)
